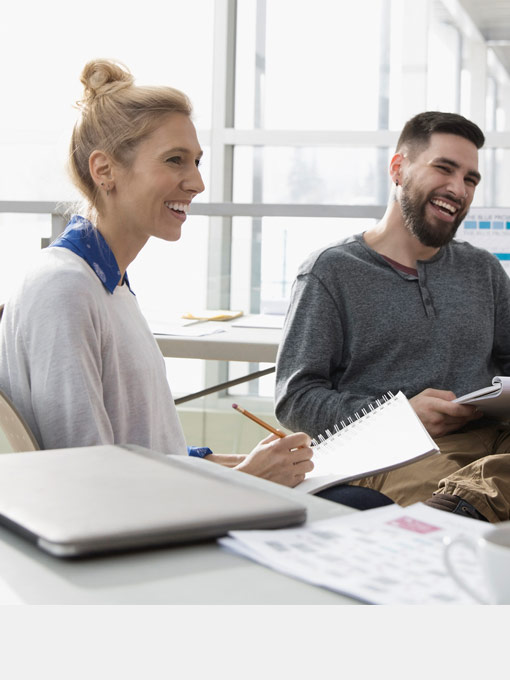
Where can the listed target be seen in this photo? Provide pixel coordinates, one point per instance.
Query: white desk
(258, 345)
(255, 345)
(193, 574)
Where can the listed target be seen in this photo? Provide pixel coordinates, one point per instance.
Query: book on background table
(493, 400)
(213, 315)
(387, 435)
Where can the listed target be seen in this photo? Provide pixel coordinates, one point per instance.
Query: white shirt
(81, 364)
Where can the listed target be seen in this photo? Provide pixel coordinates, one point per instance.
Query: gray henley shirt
(357, 328)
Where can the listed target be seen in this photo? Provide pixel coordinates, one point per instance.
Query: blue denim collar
(81, 237)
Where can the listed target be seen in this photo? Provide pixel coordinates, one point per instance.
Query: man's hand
(284, 460)
(438, 413)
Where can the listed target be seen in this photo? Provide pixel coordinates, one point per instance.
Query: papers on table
(260, 321)
(192, 327)
(185, 328)
(389, 555)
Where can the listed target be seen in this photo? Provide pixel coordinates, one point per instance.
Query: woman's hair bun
(104, 77)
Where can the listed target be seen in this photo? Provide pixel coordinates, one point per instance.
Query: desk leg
(224, 385)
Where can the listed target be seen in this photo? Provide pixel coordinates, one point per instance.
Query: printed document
(389, 555)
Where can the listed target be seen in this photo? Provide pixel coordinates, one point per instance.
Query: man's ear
(396, 168)
(101, 168)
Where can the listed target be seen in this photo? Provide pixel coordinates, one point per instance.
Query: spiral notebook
(385, 436)
(494, 400)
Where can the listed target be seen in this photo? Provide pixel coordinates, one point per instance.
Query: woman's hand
(283, 460)
(230, 460)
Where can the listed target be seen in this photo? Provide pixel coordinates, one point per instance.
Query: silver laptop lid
(87, 500)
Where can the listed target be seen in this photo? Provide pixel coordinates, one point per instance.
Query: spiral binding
(352, 422)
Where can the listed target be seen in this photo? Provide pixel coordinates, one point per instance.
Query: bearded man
(405, 306)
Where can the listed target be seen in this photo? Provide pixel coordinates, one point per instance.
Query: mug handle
(471, 544)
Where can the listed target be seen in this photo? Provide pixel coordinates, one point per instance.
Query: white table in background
(234, 343)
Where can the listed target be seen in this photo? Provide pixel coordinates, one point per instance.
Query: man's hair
(417, 131)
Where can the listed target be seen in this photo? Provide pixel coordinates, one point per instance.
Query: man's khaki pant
(474, 465)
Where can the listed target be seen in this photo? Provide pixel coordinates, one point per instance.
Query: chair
(15, 435)
(14, 432)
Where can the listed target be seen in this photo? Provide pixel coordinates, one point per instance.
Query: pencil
(257, 420)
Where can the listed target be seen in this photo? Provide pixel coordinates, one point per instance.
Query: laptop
(90, 500)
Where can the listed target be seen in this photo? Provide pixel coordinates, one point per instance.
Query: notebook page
(384, 438)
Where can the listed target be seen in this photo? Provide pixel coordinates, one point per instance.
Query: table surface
(200, 573)
(232, 344)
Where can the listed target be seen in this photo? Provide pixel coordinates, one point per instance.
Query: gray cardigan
(357, 328)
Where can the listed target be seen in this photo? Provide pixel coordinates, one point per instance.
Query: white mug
(492, 551)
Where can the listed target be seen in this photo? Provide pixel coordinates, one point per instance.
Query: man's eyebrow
(454, 164)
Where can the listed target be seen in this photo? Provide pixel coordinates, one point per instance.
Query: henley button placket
(425, 294)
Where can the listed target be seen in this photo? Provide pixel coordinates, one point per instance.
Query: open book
(387, 435)
(494, 400)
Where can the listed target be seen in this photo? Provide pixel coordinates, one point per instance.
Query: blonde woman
(76, 355)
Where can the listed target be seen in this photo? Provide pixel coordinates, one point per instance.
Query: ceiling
(492, 18)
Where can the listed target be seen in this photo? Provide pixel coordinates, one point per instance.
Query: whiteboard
(488, 228)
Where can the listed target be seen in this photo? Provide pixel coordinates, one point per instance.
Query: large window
(43, 48)
(313, 69)
(320, 96)
(297, 104)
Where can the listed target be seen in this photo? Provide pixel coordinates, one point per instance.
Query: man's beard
(413, 206)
